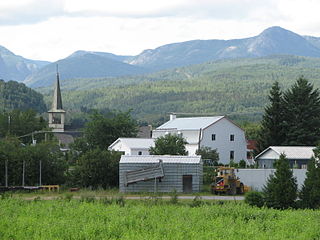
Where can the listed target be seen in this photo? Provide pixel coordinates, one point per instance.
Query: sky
(53, 29)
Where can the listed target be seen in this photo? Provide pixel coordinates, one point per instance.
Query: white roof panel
(135, 143)
(156, 158)
(193, 123)
(291, 152)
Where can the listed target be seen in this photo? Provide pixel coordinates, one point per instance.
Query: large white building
(215, 132)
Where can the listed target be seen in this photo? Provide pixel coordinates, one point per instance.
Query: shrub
(254, 199)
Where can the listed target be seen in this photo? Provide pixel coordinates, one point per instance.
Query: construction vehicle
(226, 182)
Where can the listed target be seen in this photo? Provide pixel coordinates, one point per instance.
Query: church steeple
(56, 113)
(57, 100)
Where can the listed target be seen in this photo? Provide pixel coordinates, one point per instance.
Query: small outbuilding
(132, 146)
(298, 156)
(155, 173)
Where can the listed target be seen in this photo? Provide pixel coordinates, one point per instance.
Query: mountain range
(85, 64)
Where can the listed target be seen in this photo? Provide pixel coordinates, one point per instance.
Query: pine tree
(301, 114)
(281, 189)
(271, 132)
(310, 192)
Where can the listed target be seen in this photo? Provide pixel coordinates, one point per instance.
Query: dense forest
(237, 88)
(14, 95)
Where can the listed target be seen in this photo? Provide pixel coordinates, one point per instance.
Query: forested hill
(238, 88)
(14, 95)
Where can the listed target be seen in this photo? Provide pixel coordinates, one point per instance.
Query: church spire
(57, 100)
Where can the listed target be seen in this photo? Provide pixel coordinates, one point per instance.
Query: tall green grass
(149, 219)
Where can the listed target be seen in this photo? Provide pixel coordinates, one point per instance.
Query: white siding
(270, 154)
(120, 147)
(142, 150)
(222, 130)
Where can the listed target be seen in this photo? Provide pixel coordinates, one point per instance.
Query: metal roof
(193, 123)
(291, 152)
(134, 143)
(156, 158)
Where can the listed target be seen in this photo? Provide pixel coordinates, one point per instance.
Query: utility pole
(40, 173)
(23, 172)
(6, 173)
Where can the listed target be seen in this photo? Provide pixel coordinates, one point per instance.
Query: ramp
(144, 174)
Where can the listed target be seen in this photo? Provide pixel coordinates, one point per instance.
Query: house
(166, 173)
(132, 146)
(298, 156)
(215, 132)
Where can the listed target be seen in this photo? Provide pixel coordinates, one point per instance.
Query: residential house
(298, 156)
(215, 132)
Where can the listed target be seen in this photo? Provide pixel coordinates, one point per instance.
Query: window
(139, 153)
(213, 137)
(231, 155)
(231, 137)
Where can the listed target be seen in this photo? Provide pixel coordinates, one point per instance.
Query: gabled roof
(135, 143)
(193, 123)
(156, 158)
(291, 152)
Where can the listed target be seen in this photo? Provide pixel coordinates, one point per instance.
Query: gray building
(166, 173)
(298, 156)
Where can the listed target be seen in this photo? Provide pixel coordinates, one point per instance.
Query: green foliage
(242, 164)
(310, 192)
(169, 145)
(301, 105)
(254, 198)
(98, 168)
(53, 164)
(26, 220)
(251, 129)
(281, 188)
(208, 153)
(272, 132)
(102, 130)
(14, 95)
(18, 123)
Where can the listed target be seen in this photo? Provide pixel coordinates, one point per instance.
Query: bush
(254, 199)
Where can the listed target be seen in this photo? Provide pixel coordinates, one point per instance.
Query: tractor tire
(240, 190)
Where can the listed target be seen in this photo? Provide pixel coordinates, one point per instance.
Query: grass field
(151, 219)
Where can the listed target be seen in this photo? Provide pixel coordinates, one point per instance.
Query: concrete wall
(171, 181)
(257, 178)
(223, 129)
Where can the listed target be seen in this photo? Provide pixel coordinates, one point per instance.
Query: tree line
(292, 117)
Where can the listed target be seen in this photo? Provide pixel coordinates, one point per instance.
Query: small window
(232, 137)
(231, 155)
(213, 137)
(139, 153)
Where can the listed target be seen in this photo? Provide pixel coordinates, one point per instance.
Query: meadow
(89, 218)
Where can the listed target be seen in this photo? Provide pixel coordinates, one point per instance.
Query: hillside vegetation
(14, 95)
(237, 88)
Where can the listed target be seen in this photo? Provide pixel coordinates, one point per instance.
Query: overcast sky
(53, 29)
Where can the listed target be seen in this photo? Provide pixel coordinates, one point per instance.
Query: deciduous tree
(169, 144)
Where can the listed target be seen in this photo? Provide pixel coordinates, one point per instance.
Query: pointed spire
(57, 100)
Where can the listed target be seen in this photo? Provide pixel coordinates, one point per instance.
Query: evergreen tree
(281, 189)
(301, 114)
(169, 144)
(271, 132)
(310, 192)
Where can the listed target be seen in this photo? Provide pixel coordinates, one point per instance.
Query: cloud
(29, 11)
